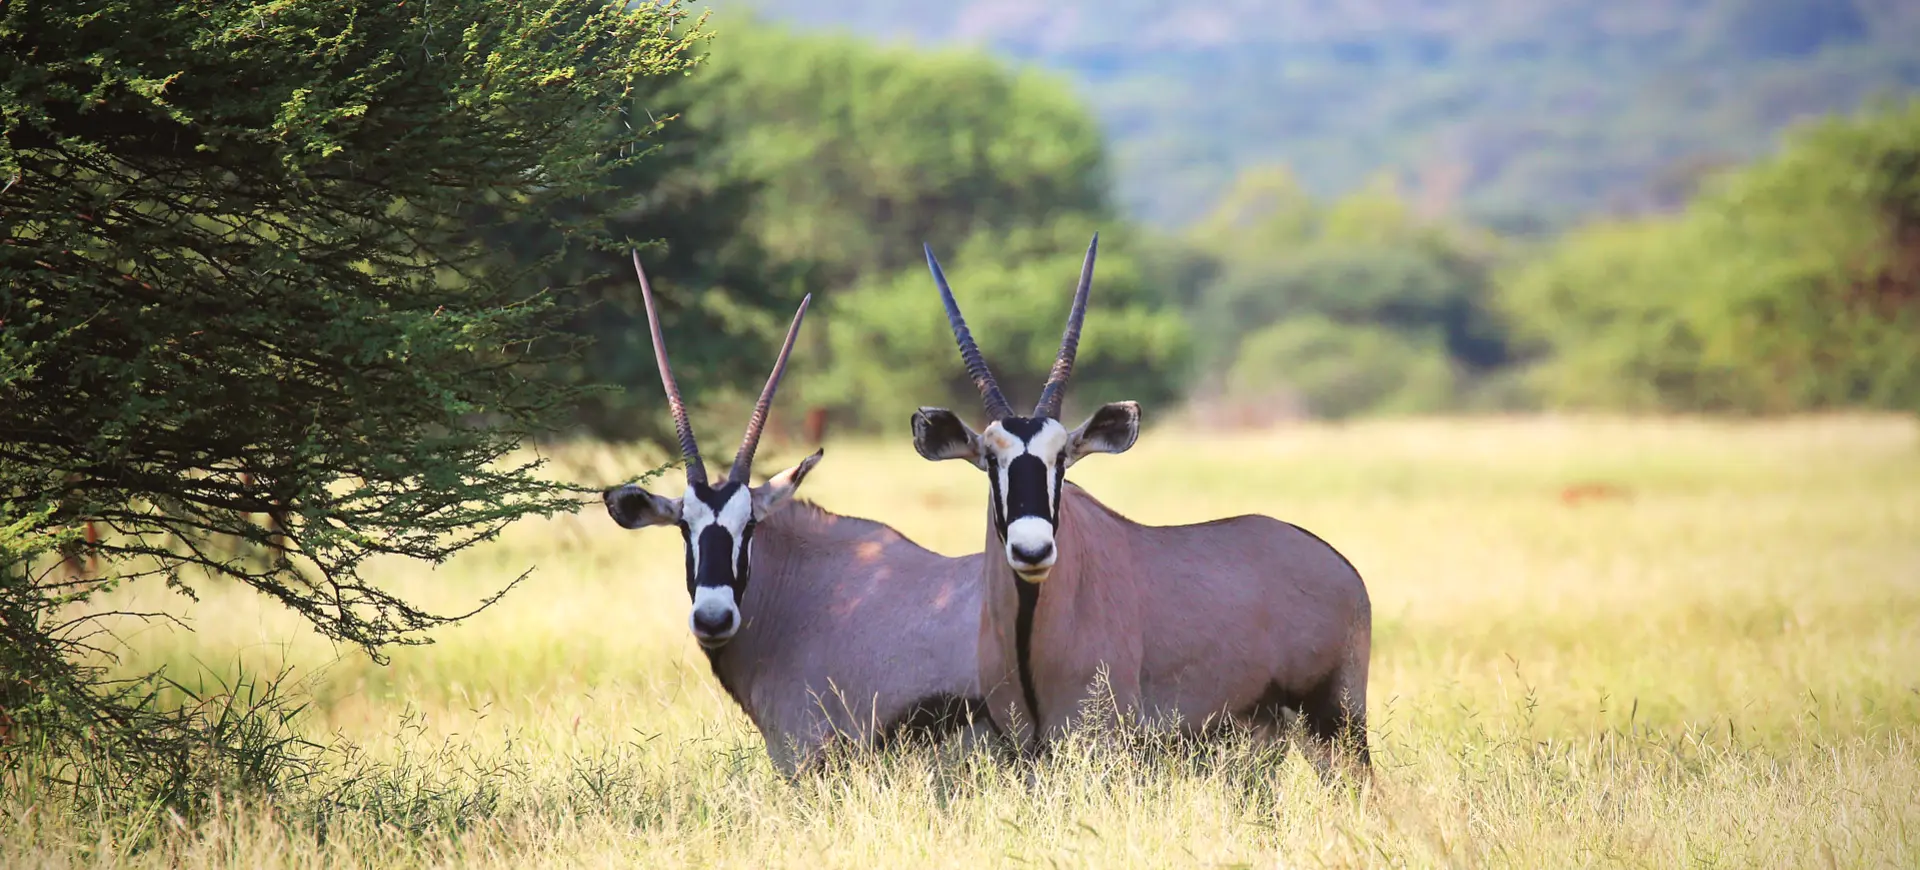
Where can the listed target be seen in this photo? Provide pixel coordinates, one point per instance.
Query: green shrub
(1338, 370)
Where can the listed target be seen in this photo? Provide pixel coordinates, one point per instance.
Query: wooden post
(816, 426)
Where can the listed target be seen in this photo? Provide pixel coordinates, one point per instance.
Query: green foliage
(1339, 370)
(1520, 111)
(721, 297)
(1350, 306)
(821, 164)
(1602, 305)
(1793, 284)
(865, 152)
(892, 349)
(251, 333)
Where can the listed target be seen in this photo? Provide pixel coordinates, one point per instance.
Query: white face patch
(1046, 445)
(732, 517)
(1029, 528)
(716, 613)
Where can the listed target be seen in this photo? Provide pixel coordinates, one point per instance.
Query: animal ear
(781, 487)
(938, 434)
(1112, 429)
(636, 508)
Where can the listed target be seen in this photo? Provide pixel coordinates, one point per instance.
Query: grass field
(1657, 643)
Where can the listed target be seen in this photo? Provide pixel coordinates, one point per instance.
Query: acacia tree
(247, 328)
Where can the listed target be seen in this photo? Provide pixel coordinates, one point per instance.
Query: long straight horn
(743, 461)
(1056, 388)
(996, 403)
(696, 470)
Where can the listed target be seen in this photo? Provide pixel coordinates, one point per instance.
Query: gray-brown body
(1239, 617)
(851, 631)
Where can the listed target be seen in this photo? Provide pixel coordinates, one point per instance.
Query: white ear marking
(1111, 429)
(698, 517)
(780, 487)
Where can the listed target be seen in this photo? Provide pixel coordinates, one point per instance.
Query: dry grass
(1596, 641)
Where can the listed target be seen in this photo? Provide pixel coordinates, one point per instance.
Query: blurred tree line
(1790, 284)
(1531, 114)
(820, 164)
(1337, 308)
(814, 163)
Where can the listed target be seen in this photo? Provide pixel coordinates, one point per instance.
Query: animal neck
(777, 542)
(1026, 609)
(780, 541)
(1082, 575)
(812, 574)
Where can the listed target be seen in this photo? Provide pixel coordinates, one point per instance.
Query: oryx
(820, 626)
(1241, 617)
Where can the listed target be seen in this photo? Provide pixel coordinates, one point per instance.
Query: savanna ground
(1655, 643)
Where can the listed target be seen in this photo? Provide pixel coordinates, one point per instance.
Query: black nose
(708, 622)
(1034, 556)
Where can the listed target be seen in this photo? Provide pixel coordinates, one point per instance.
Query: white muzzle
(1030, 548)
(715, 617)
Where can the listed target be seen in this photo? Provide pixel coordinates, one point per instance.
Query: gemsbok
(821, 627)
(1237, 619)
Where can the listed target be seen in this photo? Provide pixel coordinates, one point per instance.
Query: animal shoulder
(800, 516)
(1086, 501)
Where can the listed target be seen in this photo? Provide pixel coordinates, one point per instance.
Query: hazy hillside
(1518, 110)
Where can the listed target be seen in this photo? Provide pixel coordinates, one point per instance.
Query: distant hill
(1516, 111)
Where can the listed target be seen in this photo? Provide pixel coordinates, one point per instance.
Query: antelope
(822, 627)
(1238, 619)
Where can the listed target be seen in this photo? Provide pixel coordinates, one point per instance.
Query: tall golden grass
(1596, 641)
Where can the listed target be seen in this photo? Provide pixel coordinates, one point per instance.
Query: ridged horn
(743, 461)
(696, 470)
(996, 403)
(1056, 389)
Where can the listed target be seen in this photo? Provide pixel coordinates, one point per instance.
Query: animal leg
(1274, 718)
(1336, 718)
(979, 736)
(798, 756)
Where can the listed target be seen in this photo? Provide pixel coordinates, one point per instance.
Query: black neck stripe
(1026, 484)
(1023, 646)
(1029, 597)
